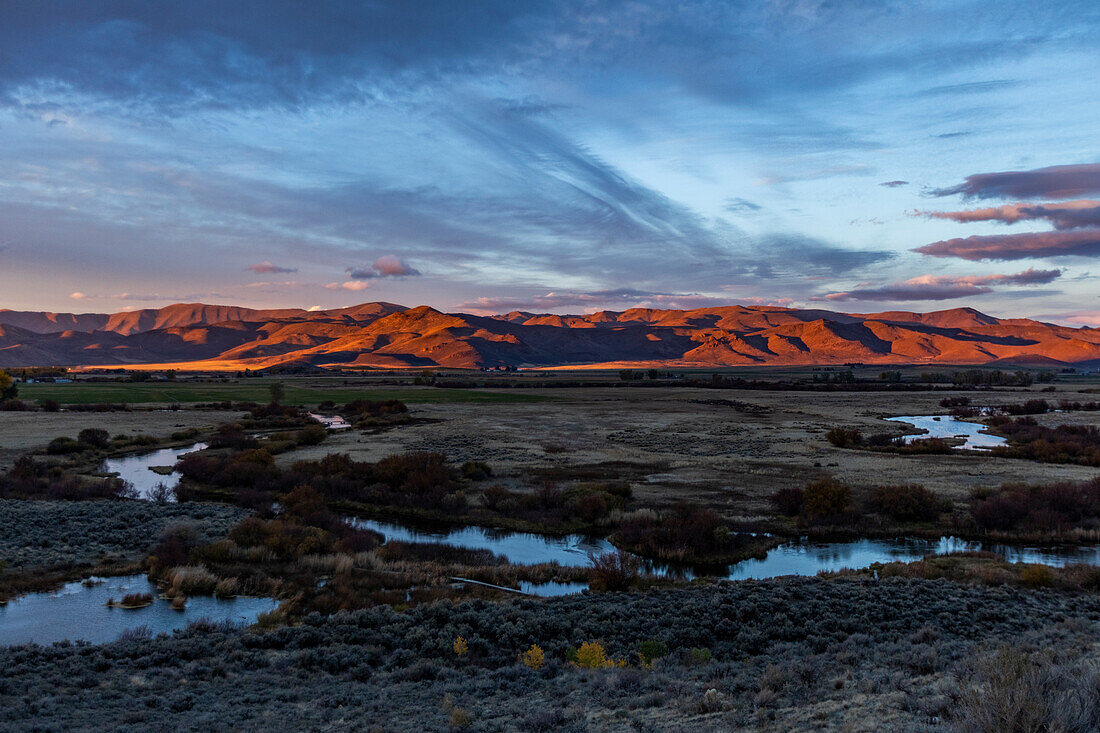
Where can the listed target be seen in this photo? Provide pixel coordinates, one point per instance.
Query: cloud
(385, 266)
(1065, 215)
(593, 298)
(1078, 318)
(148, 297)
(353, 285)
(740, 205)
(1078, 243)
(274, 284)
(314, 308)
(894, 184)
(1060, 181)
(266, 268)
(795, 252)
(944, 287)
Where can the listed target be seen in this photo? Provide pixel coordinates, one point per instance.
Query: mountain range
(387, 335)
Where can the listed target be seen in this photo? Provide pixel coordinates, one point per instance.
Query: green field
(253, 390)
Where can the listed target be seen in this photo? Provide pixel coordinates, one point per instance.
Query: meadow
(298, 391)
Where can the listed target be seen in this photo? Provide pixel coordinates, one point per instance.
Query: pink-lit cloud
(353, 285)
(385, 266)
(1064, 215)
(944, 287)
(1078, 242)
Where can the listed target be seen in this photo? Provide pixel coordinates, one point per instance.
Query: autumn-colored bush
(613, 571)
(826, 499)
(592, 655)
(907, 503)
(1051, 508)
(844, 437)
(533, 658)
(788, 501)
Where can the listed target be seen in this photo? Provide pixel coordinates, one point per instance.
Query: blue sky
(552, 156)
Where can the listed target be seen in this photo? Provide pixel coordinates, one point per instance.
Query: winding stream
(789, 558)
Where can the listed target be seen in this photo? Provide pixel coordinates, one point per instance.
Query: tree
(8, 390)
(277, 392)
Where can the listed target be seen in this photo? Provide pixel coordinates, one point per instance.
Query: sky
(552, 156)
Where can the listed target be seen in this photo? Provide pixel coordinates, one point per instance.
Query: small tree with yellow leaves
(533, 657)
(460, 646)
(592, 655)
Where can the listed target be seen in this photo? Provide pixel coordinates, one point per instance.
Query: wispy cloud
(556, 300)
(944, 287)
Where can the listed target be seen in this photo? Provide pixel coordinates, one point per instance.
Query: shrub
(1052, 508)
(226, 588)
(95, 437)
(311, 435)
(788, 501)
(844, 438)
(192, 580)
(461, 718)
(476, 470)
(826, 498)
(592, 655)
(649, 651)
(907, 502)
(136, 600)
(269, 619)
(688, 532)
(1036, 576)
(612, 571)
(533, 658)
(174, 547)
(64, 446)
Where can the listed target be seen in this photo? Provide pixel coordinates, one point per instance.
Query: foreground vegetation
(790, 654)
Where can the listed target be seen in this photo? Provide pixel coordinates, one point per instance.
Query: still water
(136, 469)
(789, 558)
(78, 611)
(945, 426)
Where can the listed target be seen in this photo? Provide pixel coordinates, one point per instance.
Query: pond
(137, 469)
(78, 612)
(790, 558)
(945, 426)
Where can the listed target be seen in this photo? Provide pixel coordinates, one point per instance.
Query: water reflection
(136, 469)
(78, 612)
(801, 557)
(945, 426)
